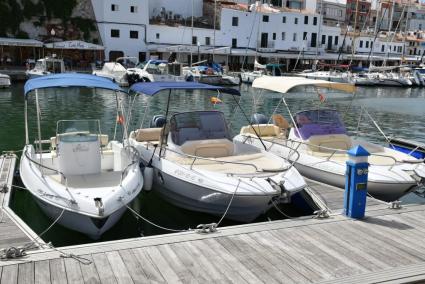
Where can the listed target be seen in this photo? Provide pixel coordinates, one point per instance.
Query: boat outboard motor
(259, 118)
(157, 121)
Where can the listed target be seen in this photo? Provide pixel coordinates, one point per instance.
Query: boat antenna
(250, 124)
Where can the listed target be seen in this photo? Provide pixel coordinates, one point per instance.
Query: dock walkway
(13, 232)
(387, 246)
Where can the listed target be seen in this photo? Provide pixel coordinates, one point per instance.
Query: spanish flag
(215, 100)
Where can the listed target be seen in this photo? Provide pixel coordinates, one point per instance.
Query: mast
(319, 28)
(191, 40)
(214, 21)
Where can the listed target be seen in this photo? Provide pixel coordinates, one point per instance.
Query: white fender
(148, 178)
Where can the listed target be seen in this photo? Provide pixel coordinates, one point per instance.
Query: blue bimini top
(152, 88)
(65, 80)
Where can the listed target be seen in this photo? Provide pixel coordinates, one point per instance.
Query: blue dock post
(356, 182)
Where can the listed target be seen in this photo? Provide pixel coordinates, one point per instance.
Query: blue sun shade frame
(153, 88)
(70, 80)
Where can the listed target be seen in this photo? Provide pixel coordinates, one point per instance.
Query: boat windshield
(198, 125)
(319, 122)
(78, 130)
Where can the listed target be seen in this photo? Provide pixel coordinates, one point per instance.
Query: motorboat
(318, 143)
(210, 75)
(83, 180)
(197, 166)
(113, 71)
(4, 81)
(333, 76)
(410, 147)
(156, 71)
(46, 66)
(249, 76)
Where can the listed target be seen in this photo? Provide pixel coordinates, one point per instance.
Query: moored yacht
(84, 180)
(46, 66)
(4, 81)
(197, 166)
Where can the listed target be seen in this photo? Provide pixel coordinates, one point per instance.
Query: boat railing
(134, 159)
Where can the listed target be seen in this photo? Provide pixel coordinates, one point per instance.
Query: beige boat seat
(148, 134)
(211, 148)
(334, 141)
(263, 130)
(104, 139)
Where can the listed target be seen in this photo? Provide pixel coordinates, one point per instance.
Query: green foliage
(84, 25)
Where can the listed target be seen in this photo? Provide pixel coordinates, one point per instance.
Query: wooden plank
(133, 266)
(166, 271)
(286, 253)
(184, 273)
(189, 261)
(26, 273)
(42, 272)
(89, 272)
(150, 269)
(206, 264)
(118, 267)
(9, 274)
(73, 271)
(216, 260)
(104, 269)
(57, 271)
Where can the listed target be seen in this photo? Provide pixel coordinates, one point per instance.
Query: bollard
(356, 182)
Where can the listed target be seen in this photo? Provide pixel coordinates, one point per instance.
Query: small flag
(120, 119)
(215, 100)
(322, 98)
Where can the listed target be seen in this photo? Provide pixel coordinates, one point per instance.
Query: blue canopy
(70, 80)
(153, 88)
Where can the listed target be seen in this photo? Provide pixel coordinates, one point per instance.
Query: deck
(13, 232)
(387, 246)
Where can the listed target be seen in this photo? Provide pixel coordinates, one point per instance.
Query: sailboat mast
(214, 21)
(191, 45)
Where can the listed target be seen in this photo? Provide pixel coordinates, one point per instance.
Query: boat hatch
(198, 125)
(319, 122)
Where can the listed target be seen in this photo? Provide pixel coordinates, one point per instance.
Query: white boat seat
(104, 139)
(148, 134)
(264, 130)
(211, 148)
(334, 141)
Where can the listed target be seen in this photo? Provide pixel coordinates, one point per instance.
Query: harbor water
(399, 112)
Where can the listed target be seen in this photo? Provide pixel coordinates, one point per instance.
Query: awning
(152, 88)
(285, 84)
(70, 80)
(74, 44)
(20, 42)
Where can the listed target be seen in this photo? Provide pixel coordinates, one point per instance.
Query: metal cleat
(206, 228)
(395, 204)
(4, 188)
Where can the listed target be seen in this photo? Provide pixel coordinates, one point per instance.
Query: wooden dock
(13, 231)
(386, 247)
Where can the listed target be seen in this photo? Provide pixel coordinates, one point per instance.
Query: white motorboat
(333, 76)
(156, 71)
(318, 143)
(249, 76)
(210, 76)
(83, 181)
(46, 66)
(4, 81)
(198, 167)
(115, 72)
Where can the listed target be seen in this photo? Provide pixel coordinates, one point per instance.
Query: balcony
(268, 46)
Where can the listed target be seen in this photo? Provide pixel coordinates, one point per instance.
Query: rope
(230, 203)
(280, 211)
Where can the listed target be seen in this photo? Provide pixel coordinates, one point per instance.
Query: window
(114, 7)
(361, 44)
(157, 35)
(313, 40)
(382, 48)
(315, 21)
(371, 44)
(134, 34)
(296, 21)
(207, 40)
(294, 37)
(284, 19)
(266, 18)
(234, 42)
(305, 36)
(394, 47)
(194, 40)
(115, 33)
(274, 36)
(283, 35)
(367, 44)
(305, 20)
(336, 40)
(133, 9)
(323, 39)
(235, 21)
